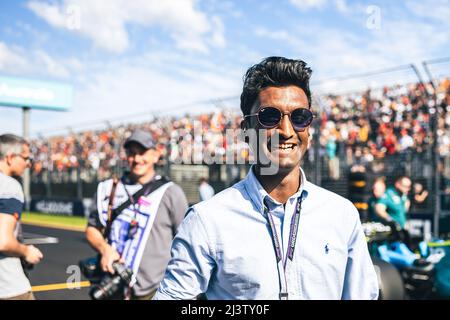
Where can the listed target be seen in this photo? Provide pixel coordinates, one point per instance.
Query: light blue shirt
(224, 248)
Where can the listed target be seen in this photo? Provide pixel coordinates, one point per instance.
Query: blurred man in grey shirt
(14, 159)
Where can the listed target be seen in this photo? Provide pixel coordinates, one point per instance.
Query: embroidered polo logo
(327, 248)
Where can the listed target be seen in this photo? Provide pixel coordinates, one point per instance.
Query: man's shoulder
(173, 191)
(10, 188)
(105, 182)
(321, 194)
(228, 199)
(173, 186)
(390, 190)
(390, 193)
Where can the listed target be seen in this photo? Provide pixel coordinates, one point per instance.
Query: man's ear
(309, 140)
(8, 158)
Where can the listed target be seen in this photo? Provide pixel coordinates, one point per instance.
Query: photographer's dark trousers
(146, 297)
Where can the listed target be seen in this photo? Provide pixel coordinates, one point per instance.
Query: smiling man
(273, 235)
(146, 210)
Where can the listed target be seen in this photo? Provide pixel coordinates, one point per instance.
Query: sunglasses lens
(269, 117)
(301, 118)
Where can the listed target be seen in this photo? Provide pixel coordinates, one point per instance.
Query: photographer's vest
(145, 209)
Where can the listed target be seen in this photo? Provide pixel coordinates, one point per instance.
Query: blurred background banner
(18, 92)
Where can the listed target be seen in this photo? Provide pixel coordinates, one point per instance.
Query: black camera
(111, 286)
(90, 268)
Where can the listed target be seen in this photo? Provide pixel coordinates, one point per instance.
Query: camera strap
(146, 189)
(110, 205)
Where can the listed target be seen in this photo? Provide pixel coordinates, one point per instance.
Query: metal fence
(334, 175)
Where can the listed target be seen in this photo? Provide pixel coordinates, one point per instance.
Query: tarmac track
(52, 273)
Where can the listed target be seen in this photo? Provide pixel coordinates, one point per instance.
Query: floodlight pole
(316, 137)
(26, 136)
(436, 162)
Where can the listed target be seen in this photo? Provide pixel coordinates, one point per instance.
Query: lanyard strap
(282, 265)
(133, 202)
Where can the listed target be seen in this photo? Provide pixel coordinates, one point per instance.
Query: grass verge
(54, 221)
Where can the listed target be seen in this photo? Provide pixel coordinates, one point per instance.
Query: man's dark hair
(274, 72)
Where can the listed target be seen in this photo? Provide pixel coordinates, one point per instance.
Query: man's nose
(285, 126)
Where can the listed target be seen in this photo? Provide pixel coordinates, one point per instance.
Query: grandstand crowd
(359, 128)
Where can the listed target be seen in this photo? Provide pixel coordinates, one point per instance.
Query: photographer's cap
(141, 137)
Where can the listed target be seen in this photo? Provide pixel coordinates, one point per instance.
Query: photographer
(138, 216)
(14, 159)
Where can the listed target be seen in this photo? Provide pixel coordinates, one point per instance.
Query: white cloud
(218, 35)
(272, 34)
(52, 67)
(287, 37)
(438, 10)
(337, 51)
(229, 8)
(105, 22)
(122, 90)
(308, 4)
(342, 6)
(333, 52)
(116, 88)
(17, 61)
(11, 59)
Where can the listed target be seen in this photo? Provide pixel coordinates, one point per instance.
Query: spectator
(378, 190)
(419, 197)
(14, 159)
(205, 190)
(393, 206)
(389, 121)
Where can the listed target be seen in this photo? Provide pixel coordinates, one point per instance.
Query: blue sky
(144, 57)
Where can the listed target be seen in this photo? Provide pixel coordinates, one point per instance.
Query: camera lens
(110, 286)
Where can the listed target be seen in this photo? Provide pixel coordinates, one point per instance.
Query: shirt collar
(257, 193)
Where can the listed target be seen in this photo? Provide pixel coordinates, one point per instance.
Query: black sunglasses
(28, 159)
(270, 117)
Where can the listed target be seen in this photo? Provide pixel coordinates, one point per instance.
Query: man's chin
(275, 167)
(284, 162)
(138, 173)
